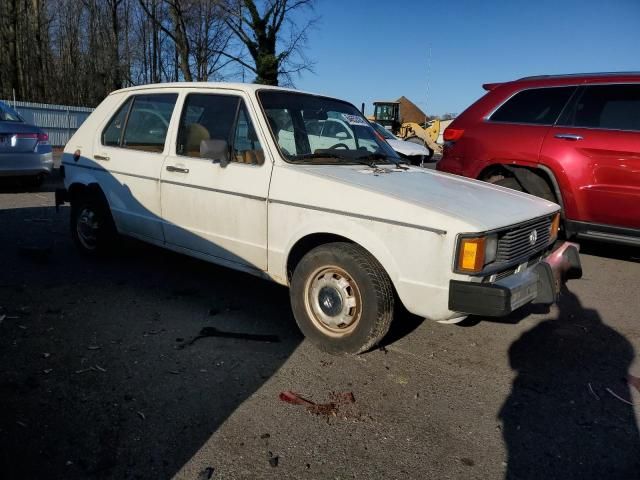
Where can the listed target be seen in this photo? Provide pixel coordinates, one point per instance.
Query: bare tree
(75, 52)
(273, 40)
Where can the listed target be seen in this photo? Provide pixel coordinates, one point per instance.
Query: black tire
(90, 214)
(509, 182)
(357, 278)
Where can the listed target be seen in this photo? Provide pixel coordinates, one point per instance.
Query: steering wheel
(339, 145)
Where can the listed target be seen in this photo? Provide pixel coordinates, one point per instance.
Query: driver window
(246, 146)
(205, 117)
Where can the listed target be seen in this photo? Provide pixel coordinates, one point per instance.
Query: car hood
(408, 148)
(430, 196)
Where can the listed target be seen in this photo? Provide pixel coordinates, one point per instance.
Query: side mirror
(216, 150)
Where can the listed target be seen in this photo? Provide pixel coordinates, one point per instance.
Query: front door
(217, 206)
(598, 143)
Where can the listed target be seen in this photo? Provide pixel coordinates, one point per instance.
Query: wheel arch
(78, 188)
(527, 176)
(307, 241)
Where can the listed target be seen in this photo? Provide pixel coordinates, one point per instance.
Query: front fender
(349, 229)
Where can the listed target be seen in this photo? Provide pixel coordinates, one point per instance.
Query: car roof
(569, 79)
(604, 75)
(246, 87)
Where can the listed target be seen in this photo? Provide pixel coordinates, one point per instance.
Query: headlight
(476, 252)
(553, 229)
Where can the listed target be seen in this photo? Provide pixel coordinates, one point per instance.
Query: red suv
(572, 139)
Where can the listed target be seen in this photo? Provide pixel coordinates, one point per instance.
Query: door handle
(100, 157)
(172, 168)
(568, 136)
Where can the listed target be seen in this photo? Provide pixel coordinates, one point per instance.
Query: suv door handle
(172, 168)
(100, 157)
(568, 136)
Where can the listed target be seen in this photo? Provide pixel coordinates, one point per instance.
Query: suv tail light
(452, 134)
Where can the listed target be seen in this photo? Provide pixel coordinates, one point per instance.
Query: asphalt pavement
(149, 364)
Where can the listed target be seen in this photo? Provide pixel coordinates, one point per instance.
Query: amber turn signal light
(471, 255)
(553, 229)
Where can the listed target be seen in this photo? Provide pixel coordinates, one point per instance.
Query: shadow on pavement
(561, 419)
(98, 378)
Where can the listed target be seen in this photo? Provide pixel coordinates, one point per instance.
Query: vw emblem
(533, 237)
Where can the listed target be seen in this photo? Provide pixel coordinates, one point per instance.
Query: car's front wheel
(342, 298)
(92, 227)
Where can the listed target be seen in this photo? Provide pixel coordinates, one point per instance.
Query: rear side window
(112, 135)
(615, 107)
(537, 106)
(141, 123)
(148, 122)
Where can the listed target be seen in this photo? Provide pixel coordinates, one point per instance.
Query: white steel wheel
(87, 228)
(333, 301)
(342, 298)
(92, 227)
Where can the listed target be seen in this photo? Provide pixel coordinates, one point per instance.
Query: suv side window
(112, 134)
(218, 117)
(537, 106)
(615, 107)
(148, 122)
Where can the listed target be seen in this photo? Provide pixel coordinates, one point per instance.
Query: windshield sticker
(355, 120)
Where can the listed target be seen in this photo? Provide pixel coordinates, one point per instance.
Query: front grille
(516, 243)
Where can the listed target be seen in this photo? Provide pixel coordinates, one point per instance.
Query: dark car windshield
(322, 130)
(8, 114)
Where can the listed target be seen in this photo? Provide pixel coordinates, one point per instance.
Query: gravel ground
(101, 375)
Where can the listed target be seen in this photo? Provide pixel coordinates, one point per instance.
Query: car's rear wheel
(342, 298)
(92, 227)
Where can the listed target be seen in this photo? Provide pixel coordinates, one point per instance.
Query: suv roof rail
(569, 75)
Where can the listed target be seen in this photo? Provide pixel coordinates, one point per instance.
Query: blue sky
(370, 50)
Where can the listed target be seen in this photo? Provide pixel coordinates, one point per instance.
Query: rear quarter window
(537, 106)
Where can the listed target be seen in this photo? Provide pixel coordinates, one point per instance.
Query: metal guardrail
(59, 121)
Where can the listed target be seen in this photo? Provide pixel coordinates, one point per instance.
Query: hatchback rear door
(597, 142)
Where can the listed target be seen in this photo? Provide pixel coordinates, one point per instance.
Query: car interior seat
(194, 135)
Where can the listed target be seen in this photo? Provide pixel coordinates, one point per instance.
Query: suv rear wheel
(342, 298)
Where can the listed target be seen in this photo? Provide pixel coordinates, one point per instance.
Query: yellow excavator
(387, 114)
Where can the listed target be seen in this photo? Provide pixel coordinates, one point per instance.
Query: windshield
(383, 131)
(322, 130)
(8, 114)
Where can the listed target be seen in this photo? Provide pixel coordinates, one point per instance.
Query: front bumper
(25, 163)
(538, 284)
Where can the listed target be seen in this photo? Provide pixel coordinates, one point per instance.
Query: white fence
(59, 121)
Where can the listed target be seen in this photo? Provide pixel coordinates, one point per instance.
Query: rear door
(211, 208)
(131, 149)
(598, 145)
(515, 131)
